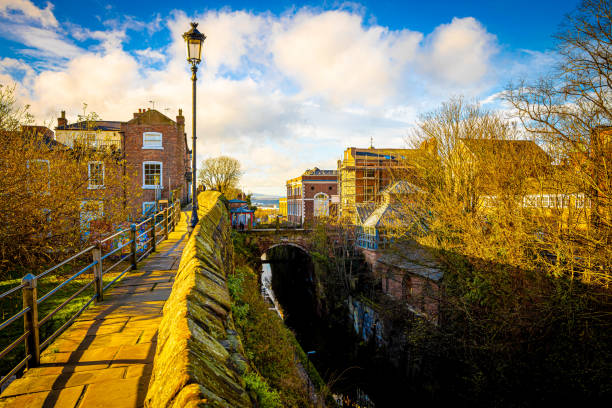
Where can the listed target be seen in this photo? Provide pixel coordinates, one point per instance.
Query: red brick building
(152, 146)
(313, 194)
(157, 157)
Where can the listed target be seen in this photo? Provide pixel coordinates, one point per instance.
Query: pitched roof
(513, 149)
(363, 211)
(109, 125)
(241, 210)
(151, 117)
(400, 187)
(414, 258)
(46, 136)
(385, 216)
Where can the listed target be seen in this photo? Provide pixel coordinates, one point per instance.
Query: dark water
(346, 363)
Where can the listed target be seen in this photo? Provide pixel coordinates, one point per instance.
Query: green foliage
(268, 343)
(13, 303)
(266, 396)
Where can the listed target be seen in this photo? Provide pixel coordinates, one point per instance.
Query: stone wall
(199, 359)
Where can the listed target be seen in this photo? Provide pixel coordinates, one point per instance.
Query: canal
(349, 365)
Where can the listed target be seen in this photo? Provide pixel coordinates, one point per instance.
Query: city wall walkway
(105, 358)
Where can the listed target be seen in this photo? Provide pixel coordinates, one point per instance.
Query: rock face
(199, 359)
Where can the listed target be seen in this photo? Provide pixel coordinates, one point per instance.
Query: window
(152, 175)
(321, 205)
(90, 139)
(95, 172)
(582, 201)
(152, 140)
(147, 206)
(369, 173)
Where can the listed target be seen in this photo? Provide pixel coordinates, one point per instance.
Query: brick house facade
(311, 195)
(156, 154)
(152, 147)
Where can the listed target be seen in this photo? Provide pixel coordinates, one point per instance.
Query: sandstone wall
(199, 359)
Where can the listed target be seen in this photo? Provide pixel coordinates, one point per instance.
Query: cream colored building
(97, 134)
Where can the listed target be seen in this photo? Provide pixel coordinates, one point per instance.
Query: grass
(269, 345)
(13, 303)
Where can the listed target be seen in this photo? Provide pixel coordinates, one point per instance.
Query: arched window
(321, 205)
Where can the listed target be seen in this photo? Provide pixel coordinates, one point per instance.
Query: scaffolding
(364, 173)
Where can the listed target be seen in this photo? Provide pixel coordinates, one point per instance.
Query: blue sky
(285, 86)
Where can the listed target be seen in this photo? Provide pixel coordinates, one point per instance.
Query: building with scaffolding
(363, 173)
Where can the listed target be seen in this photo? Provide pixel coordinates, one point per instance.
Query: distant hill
(264, 200)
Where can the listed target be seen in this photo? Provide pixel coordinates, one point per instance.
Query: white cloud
(333, 55)
(42, 42)
(151, 55)
(26, 11)
(459, 52)
(280, 93)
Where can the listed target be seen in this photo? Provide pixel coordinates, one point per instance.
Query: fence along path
(105, 358)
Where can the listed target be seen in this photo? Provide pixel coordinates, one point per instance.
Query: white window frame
(95, 186)
(149, 203)
(146, 145)
(91, 139)
(161, 176)
(321, 199)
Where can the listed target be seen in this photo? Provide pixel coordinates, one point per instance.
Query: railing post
(133, 245)
(166, 229)
(173, 219)
(177, 214)
(97, 258)
(153, 235)
(30, 319)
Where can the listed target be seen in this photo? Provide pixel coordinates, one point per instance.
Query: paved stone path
(105, 358)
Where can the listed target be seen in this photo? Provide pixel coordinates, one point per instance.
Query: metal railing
(141, 243)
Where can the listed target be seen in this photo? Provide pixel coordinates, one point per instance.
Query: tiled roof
(318, 172)
(93, 125)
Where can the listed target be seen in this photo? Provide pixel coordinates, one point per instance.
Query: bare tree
(220, 173)
(46, 190)
(570, 112)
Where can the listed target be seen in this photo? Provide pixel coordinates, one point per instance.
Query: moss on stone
(199, 361)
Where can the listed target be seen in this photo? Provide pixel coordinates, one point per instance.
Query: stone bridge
(266, 239)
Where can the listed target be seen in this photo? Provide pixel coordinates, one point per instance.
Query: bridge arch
(267, 239)
(278, 244)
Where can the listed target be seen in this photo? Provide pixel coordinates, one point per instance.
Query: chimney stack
(62, 121)
(180, 122)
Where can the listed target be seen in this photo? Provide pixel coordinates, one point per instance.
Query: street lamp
(194, 40)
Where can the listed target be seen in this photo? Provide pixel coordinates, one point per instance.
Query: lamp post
(194, 41)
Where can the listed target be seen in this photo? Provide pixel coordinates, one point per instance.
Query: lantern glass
(194, 50)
